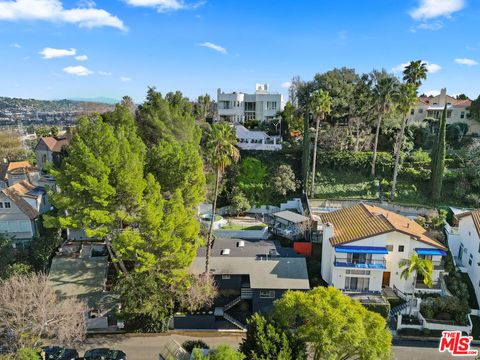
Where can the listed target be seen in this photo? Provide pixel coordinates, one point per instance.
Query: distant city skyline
(53, 49)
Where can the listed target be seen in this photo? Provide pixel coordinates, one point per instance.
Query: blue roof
(362, 249)
(426, 251)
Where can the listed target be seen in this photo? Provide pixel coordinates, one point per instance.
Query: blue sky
(62, 49)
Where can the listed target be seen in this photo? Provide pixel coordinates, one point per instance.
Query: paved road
(145, 347)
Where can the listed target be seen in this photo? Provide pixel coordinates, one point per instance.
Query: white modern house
(363, 245)
(432, 108)
(238, 107)
(256, 140)
(464, 243)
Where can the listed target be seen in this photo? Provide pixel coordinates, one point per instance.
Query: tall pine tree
(438, 157)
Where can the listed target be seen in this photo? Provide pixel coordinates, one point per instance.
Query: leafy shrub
(361, 161)
(382, 309)
(189, 345)
(445, 308)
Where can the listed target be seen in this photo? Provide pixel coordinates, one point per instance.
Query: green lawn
(243, 227)
(344, 185)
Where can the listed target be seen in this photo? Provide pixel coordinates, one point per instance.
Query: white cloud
(125, 79)
(16, 46)
(432, 92)
(81, 58)
(51, 53)
(86, 3)
(53, 11)
(213, 46)
(77, 70)
(166, 5)
(470, 48)
(465, 61)
(432, 68)
(286, 84)
(429, 9)
(433, 26)
(104, 73)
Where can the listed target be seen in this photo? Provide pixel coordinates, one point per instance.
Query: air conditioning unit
(225, 252)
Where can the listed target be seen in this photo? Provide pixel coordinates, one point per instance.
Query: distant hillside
(100, 99)
(16, 105)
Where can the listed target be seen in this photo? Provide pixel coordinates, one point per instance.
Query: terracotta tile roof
(18, 165)
(363, 221)
(54, 144)
(16, 193)
(475, 216)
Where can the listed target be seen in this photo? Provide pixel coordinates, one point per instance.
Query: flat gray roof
(287, 270)
(84, 277)
(291, 216)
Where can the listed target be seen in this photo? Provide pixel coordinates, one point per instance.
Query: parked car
(58, 353)
(104, 354)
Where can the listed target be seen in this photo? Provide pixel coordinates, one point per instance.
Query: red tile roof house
(363, 245)
(49, 149)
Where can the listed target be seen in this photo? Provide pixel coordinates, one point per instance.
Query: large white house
(363, 245)
(464, 243)
(238, 107)
(432, 108)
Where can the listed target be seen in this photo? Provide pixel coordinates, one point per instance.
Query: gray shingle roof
(291, 216)
(287, 270)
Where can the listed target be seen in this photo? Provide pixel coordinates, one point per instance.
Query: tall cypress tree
(438, 157)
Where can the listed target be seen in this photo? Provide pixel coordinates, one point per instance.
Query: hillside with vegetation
(16, 105)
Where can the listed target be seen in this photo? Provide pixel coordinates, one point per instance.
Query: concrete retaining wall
(333, 204)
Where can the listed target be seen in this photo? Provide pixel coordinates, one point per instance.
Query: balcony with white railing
(347, 262)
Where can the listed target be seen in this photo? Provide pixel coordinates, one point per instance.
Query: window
(7, 205)
(1, 205)
(389, 247)
(271, 105)
(470, 260)
(401, 248)
(357, 283)
(462, 115)
(358, 272)
(225, 277)
(267, 294)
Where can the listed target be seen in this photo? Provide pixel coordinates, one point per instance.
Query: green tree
(319, 106)
(292, 120)
(438, 157)
(202, 107)
(54, 130)
(474, 109)
(384, 93)
(7, 255)
(239, 202)
(406, 100)
(283, 180)
(11, 147)
(221, 152)
(334, 325)
(415, 72)
(251, 179)
(222, 352)
(416, 266)
(266, 340)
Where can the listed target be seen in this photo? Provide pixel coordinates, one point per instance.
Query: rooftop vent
(225, 252)
(241, 243)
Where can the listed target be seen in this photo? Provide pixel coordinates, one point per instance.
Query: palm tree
(417, 266)
(384, 95)
(221, 152)
(415, 72)
(319, 106)
(406, 100)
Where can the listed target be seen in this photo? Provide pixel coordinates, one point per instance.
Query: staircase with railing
(232, 303)
(234, 321)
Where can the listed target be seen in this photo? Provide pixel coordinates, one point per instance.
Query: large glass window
(359, 258)
(357, 283)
